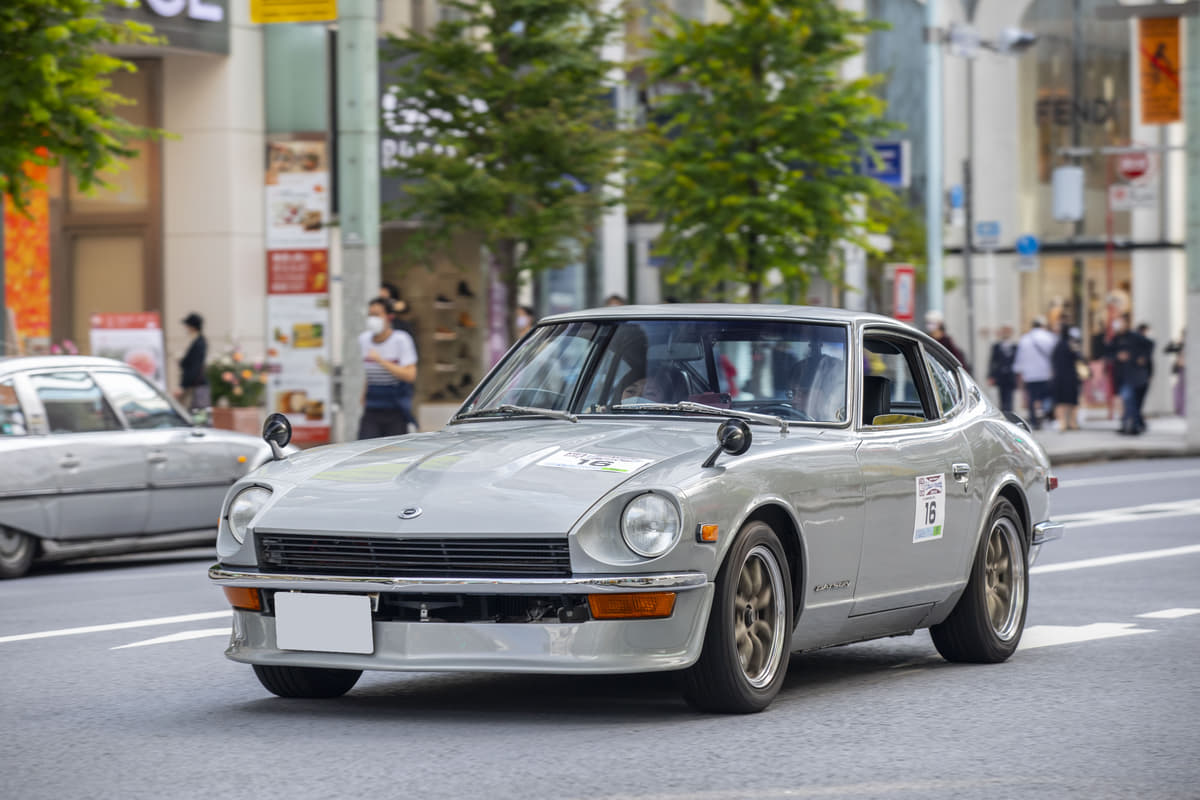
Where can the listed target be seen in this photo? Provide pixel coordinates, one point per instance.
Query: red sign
(297, 272)
(126, 320)
(904, 292)
(1131, 166)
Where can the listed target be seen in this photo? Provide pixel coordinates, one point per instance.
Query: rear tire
(16, 553)
(986, 625)
(748, 641)
(309, 682)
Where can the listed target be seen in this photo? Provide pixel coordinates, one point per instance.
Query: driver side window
(890, 391)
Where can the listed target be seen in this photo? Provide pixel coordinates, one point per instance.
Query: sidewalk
(1098, 440)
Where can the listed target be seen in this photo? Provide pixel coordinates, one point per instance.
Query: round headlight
(650, 525)
(245, 508)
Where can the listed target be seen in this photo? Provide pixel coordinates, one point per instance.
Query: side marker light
(631, 605)
(707, 533)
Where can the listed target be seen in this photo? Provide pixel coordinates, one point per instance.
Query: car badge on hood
(411, 513)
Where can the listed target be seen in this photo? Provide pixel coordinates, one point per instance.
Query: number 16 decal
(931, 508)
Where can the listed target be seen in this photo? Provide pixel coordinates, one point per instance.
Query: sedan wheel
(986, 625)
(16, 553)
(745, 655)
(310, 682)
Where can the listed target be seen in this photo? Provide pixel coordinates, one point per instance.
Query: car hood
(528, 478)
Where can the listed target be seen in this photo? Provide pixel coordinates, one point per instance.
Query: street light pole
(969, 208)
(935, 299)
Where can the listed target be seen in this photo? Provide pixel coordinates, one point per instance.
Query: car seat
(877, 397)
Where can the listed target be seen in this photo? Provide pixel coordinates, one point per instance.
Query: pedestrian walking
(935, 326)
(1000, 367)
(1070, 371)
(1034, 368)
(400, 307)
(390, 361)
(1179, 370)
(1133, 354)
(194, 392)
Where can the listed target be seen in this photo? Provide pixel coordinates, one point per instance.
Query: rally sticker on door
(591, 461)
(931, 507)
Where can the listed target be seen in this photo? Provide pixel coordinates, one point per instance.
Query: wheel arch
(1013, 494)
(783, 523)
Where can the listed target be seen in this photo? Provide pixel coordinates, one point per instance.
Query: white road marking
(1105, 561)
(1170, 613)
(1113, 516)
(182, 636)
(1151, 476)
(1050, 635)
(116, 626)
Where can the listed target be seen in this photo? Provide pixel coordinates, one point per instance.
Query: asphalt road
(114, 686)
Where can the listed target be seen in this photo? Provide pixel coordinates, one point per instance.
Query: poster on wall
(26, 260)
(298, 341)
(136, 338)
(297, 195)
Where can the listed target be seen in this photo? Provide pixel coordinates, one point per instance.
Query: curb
(1098, 456)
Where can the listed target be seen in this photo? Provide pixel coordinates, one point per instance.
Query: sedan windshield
(792, 370)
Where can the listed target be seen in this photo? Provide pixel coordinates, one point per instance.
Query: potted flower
(237, 386)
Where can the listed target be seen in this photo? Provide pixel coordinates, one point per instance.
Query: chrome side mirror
(733, 437)
(277, 432)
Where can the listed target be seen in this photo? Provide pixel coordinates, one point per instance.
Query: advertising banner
(26, 242)
(297, 262)
(135, 338)
(904, 292)
(1158, 63)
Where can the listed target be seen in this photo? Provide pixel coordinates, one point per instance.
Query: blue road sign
(987, 231)
(890, 164)
(1027, 245)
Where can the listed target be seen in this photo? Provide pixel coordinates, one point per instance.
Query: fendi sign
(185, 24)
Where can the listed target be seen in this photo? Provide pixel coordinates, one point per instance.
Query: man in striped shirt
(390, 362)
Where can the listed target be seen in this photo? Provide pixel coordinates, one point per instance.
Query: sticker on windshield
(591, 461)
(931, 507)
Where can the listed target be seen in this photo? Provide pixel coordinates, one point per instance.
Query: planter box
(242, 420)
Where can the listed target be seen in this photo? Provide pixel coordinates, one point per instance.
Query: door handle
(68, 462)
(961, 472)
(157, 457)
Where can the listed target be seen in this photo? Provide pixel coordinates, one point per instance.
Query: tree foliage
(510, 129)
(753, 147)
(56, 104)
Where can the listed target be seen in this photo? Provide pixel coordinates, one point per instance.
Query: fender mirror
(733, 437)
(277, 432)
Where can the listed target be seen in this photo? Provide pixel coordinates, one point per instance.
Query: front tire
(748, 642)
(986, 625)
(16, 553)
(308, 682)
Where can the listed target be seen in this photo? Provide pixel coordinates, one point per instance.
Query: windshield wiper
(701, 408)
(530, 411)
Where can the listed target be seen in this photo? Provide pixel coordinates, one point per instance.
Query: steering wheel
(537, 398)
(785, 410)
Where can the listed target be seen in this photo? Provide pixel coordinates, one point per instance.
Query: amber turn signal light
(707, 533)
(633, 605)
(242, 597)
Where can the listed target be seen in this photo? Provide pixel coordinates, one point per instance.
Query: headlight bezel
(637, 503)
(239, 529)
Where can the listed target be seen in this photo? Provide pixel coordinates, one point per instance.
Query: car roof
(22, 363)
(726, 310)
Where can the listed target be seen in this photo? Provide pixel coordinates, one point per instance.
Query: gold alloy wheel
(759, 616)
(1004, 579)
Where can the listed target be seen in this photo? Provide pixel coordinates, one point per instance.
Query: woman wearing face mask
(525, 319)
(390, 361)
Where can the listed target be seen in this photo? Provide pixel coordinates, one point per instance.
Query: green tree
(55, 102)
(753, 143)
(511, 130)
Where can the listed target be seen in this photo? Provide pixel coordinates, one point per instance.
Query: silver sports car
(96, 460)
(705, 489)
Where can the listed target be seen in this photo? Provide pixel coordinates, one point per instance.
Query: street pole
(935, 300)
(358, 195)
(1192, 343)
(969, 209)
(1077, 267)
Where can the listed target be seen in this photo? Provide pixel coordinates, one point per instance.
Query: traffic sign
(1133, 166)
(987, 234)
(889, 163)
(1027, 263)
(1128, 196)
(903, 291)
(1027, 245)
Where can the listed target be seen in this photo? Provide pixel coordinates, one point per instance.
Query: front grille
(414, 558)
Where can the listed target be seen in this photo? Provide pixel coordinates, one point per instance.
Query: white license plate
(324, 623)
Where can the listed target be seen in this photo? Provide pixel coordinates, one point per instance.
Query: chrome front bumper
(669, 582)
(592, 646)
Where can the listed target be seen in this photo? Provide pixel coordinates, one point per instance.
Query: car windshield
(793, 370)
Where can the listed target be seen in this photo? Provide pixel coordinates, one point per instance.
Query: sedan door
(189, 468)
(100, 469)
(915, 467)
(27, 480)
